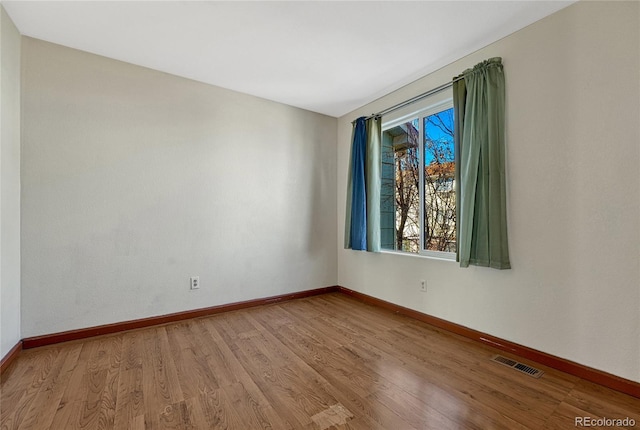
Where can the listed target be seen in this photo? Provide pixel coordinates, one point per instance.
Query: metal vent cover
(520, 367)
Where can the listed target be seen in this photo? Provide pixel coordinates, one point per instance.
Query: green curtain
(478, 97)
(362, 219)
(373, 178)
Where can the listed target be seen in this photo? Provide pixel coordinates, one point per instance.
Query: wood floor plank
(160, 384)
(281, 385)
(194, 375)
(273, 314)
(370, 408)
(67, 416)
(318, 363)
(41, 369)
(132, 350)
(255, 411)
(602, 401)
(160, 361)
(46, 403)
(418, 414)
(137, 423)
(44, 397)
(96, 382)
(337, 370)
(130, 397)
(106, 417)
(240, 389)
(220, 357)
(359, 423)
(214, 411)
(13, 379)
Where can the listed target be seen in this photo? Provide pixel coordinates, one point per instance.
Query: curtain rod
(414, 99)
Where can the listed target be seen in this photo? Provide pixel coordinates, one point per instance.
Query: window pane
(400, 194)
(439, 189)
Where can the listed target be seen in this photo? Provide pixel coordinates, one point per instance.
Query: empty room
(377, 215)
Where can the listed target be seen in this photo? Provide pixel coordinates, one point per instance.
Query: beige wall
(134, 180)
(573, 151)
(9, 184)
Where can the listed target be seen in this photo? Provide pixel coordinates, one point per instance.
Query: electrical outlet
(423, 286)
(194, 282)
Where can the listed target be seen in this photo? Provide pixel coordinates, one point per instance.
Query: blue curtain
(362, 221)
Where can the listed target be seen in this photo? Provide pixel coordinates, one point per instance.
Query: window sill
(446, 256)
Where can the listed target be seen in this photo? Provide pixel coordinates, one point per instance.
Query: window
(418, 199)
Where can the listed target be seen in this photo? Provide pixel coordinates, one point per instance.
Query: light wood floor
(323, 362)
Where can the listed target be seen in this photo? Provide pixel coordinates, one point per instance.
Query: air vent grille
(520, 367)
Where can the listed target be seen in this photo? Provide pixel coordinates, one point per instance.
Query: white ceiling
(328, 57)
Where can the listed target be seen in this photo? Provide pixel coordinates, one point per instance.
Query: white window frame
(428, 106)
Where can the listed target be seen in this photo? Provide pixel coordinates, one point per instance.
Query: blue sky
(436, 126)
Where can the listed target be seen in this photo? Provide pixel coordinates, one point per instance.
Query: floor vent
(531, 371)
